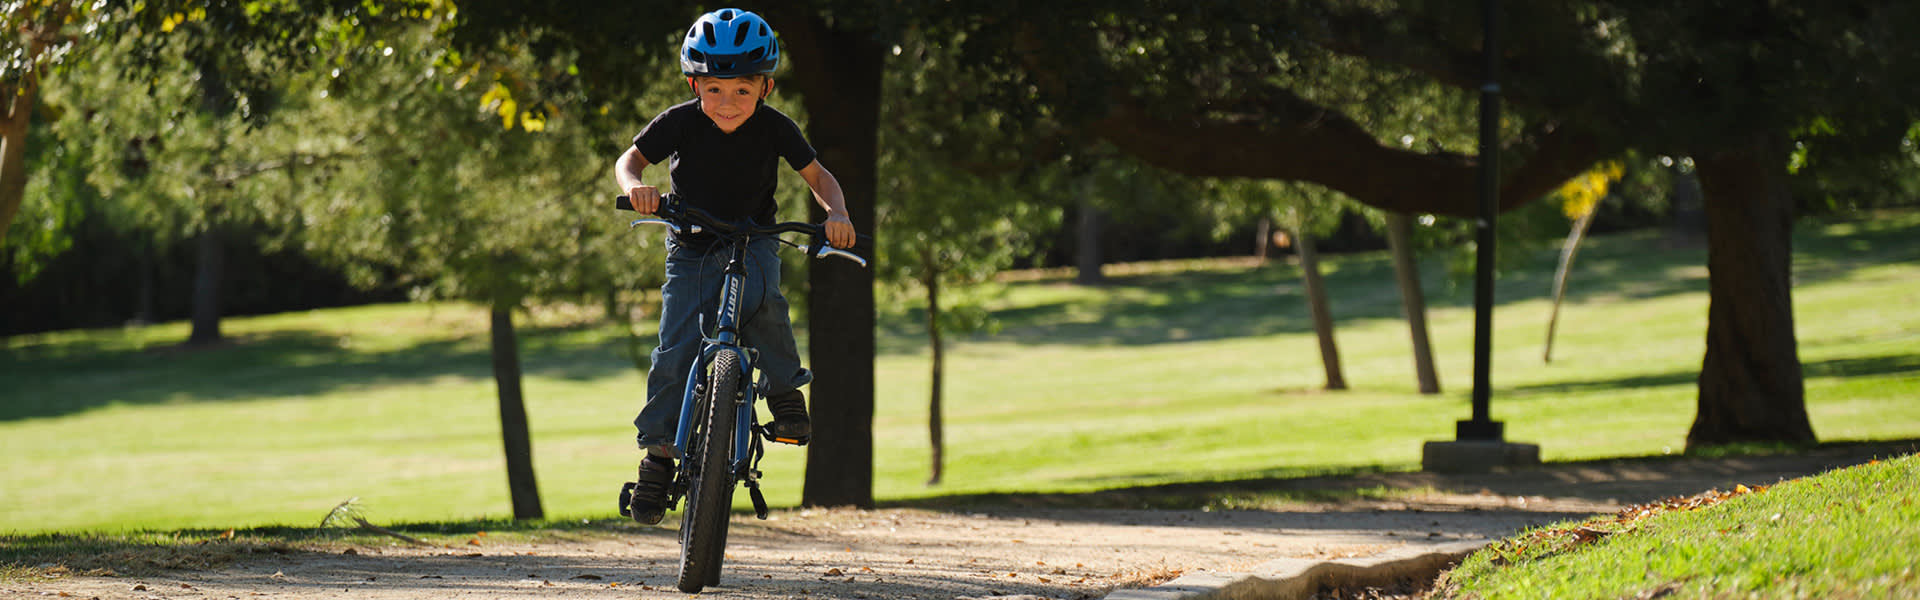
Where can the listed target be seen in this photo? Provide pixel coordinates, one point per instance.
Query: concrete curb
(1293, 578)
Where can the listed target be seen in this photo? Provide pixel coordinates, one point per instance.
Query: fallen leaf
(588, 577)
(835, 572)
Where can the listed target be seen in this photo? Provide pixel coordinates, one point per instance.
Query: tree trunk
(1322, 314)
(17, 105)
(1087, 256)
(842, 98)
(936, 426)
(1262, 238)
(1412, 299)
(1751, 388)
(209, 270)
(521, 486)
(143, 313)
(16, 109)
(1567, 251)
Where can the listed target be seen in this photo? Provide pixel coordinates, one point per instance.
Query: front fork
(747, 448)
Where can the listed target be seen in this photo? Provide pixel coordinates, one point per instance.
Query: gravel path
(1001, 552)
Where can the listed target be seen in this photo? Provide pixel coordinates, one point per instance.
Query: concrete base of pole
(1477, 456)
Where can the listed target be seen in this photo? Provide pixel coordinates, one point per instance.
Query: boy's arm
(626, 171)
(826, 191)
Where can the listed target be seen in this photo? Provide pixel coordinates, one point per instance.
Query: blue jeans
(695, 276)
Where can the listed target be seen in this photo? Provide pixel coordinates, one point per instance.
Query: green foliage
(58, 198)
(948, 228)
(453, 204)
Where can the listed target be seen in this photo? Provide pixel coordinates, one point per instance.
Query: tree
(1227, 90)
(256, 42)
(1413, 301)
(1581, 198)
(182, 158)
(40, 42)
(469, 195)
(946, 243)
(1306, 216)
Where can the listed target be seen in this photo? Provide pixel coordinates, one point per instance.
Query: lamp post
(1479, 443)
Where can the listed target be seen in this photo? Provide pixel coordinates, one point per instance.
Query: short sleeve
(792, 144)
(661, 137)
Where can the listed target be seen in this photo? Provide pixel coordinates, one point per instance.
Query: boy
(723, 147)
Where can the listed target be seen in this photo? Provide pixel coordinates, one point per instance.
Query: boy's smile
(729, 102)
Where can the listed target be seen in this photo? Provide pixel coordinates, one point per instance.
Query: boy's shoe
(790, 424)
(646, 500)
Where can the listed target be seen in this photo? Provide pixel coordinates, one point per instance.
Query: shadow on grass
(1157, 308)
(1867, 366)
(1628, 480)
(68, 378)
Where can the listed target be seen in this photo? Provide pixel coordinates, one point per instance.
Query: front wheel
(703, 527)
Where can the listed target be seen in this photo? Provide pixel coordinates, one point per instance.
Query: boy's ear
(766, 89)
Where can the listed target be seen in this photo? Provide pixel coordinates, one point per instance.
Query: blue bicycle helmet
(729, 43)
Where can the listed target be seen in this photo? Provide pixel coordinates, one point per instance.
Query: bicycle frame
(726, 335)
(704, 529)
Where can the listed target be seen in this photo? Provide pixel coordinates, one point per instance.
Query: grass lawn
(1838, 535)
(1186, 371)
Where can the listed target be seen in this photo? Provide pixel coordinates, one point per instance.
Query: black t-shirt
(730, 175)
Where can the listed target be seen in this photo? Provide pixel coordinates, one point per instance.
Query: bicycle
(719, 398)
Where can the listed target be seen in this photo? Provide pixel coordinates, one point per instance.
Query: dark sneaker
(790, 423)
(646, 500)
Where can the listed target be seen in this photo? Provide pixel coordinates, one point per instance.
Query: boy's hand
(840, 233)
(645, 198)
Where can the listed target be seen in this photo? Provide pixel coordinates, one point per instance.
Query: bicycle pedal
(759, 502)
(794, 441)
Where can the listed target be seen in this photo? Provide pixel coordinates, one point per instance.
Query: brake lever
(824, 251)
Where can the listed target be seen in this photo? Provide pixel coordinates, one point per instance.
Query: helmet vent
(740, 35)
(726, 15)
(712, 38)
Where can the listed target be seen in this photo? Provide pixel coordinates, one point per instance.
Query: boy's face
(730, 101)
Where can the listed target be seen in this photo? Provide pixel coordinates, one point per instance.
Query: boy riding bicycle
(723, 148)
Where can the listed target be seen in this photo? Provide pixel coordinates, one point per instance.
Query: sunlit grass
(1838, 535)
(1196, 371)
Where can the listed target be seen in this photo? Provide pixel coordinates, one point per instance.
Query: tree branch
(1295, 140)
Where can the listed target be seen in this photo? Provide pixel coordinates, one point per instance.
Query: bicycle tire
(703, 526)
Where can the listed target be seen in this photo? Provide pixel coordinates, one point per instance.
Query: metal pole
(1483, 427)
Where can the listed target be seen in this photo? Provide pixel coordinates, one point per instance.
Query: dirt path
(999, 552)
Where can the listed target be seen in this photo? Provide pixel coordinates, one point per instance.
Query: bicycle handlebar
(682, 218)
